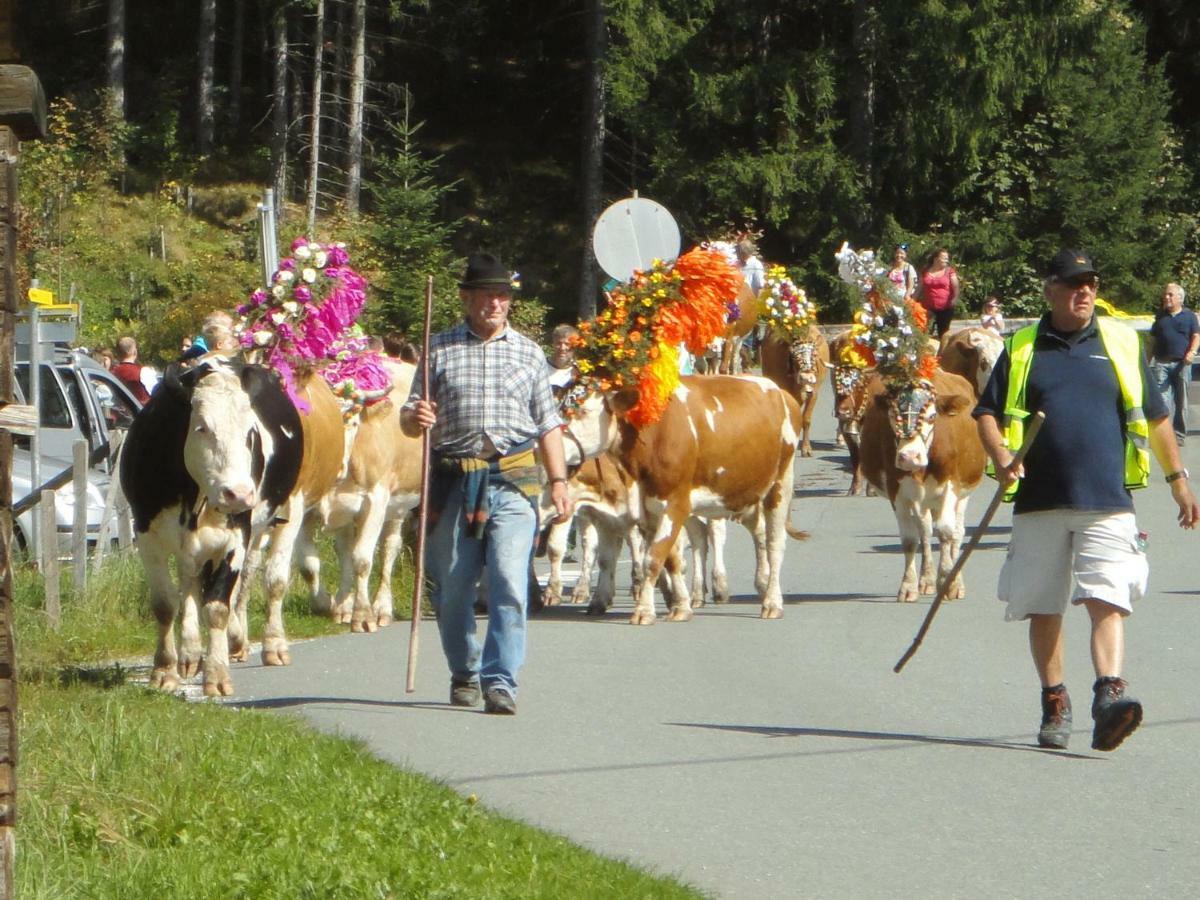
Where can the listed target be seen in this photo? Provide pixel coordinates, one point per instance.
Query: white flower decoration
(320, 258)
(285, 276)
(309, 275)
(262, 338)
(302, 252)
(278, 291)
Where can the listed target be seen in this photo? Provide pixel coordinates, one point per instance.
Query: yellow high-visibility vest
(1125, 353)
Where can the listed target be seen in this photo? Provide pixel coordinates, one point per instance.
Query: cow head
(223, 451)
(912, 412)
(591, 427)
(804, 364)
(850, 397)
(989, 345)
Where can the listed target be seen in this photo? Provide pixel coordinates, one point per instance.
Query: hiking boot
(499, 702)
(1056, 718)
(1117, 716)
(464, 693)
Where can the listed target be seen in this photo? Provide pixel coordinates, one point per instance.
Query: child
(991, 316)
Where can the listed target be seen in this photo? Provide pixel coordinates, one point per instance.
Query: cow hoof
(241, 654)
(581, 597)
(276, 658)
(596, 609)
(362, 626)
(551, 598)
(771, 612)
(907, 596)
(679, 614)
(641, 617)
(698, 602)
(806, 452)
(839, 441)
(164, 680)
(222, 688)
(189, 667)
(383, 621)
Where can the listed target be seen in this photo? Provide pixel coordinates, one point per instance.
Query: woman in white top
(991, 316)
(902, 274)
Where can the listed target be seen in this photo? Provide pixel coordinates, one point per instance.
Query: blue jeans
(457, 562)
(1171, 379)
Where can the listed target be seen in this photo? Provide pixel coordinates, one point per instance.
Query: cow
(723, 448)
(799, 368)
(971, 353)
(920, 449)
(208, 463)
(849, 385)
(740, 325)
(381, 485)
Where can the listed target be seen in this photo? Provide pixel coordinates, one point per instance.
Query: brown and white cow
(799, 368)
(737, 330)
(921, 450)
(971, 353)
(724, 448)
(849, 385)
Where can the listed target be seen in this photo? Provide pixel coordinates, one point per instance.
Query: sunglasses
(1080, 281)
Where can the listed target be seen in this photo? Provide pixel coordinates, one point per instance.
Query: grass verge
(128, 793)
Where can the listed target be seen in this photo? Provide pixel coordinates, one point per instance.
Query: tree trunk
(235, 64)
(279, 98)
(862, 96)
(204, 93)
(116, 57)
(358, 77)
(314, 133)
(593, 154)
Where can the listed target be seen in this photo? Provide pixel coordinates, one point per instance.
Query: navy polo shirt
(1078, 459)
(1172, 334)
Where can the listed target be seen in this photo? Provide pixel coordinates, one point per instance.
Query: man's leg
(1108, 637)
(1046, 645)
(511, 527)
(454, 562)
(1179, 397)
(1116, 715)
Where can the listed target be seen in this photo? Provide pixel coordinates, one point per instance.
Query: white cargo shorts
(1060, 555)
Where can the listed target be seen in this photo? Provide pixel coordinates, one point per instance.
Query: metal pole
(35, 400)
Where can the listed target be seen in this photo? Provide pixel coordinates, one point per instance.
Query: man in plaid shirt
(490, 405)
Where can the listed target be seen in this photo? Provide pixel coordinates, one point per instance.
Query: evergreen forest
(418, 131)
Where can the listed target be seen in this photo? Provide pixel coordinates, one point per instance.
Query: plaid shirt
(496, 389)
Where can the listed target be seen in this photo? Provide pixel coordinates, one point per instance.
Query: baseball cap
(1070, 263)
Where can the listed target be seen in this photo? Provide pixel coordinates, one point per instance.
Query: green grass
(126, 793)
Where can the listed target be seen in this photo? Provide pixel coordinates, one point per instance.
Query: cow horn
(370, 396)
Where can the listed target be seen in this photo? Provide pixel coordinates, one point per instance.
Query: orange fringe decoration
(919, 314)
(655, 386)
(709, 285)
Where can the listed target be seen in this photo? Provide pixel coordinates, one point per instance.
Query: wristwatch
(1175, 476)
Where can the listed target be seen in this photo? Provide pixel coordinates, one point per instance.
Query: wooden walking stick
(422, 510)
(1030, 433)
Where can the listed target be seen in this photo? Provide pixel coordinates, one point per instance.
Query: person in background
(104, 357)
(902, 274)
(991, 317)
(1074, 535)
(395, 346)
(131, 372)
(755, 275)
(562, 357)
(939, 290)
(490, 405)
(185, 345)
(1175, 336)
(218, 334)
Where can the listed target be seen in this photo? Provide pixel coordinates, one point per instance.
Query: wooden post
(22, 117)
(48, 523)
(79, 527)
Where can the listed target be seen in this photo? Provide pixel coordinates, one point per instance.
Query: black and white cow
(206, 464)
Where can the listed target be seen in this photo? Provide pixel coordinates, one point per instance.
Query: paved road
(785, 759)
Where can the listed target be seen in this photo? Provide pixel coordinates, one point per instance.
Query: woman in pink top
(939, 290)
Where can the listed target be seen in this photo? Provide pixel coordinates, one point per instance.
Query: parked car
(64, 505)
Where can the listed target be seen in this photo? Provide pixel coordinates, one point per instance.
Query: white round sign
(631, 234)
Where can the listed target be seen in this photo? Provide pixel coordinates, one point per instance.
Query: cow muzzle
(912, 456)
(235, 498)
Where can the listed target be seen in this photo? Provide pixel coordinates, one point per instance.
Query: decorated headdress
(308, 318)
(634, 342)
(890, 331)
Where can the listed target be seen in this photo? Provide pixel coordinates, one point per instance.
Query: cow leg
(717, 530)
(607, 539)
(679, 598)
(806, 417)
(697, 534)
(218, 582)
(770, 531)
(239, 620)
(589, 540)
(390, 540)
(343, 602)
(556, 548)
(950, 526)
(366, 539)
(320, 601)
(164, 603)
(928, 584)
(276, 574)
(910, 521)
(856, 475)
(663, 531)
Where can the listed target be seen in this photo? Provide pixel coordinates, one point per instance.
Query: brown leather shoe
(1056, 718)
(1117, 715)
(499, 702)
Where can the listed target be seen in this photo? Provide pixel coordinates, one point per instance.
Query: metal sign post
(268, 243)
